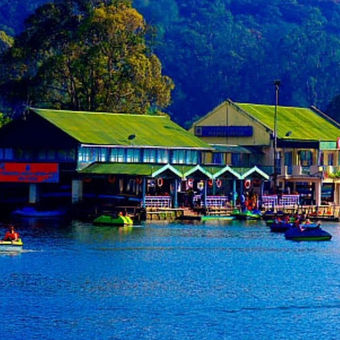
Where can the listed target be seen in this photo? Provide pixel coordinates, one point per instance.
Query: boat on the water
(118, 221)
(279, 227)
(307, 232)
(217, 217)
(32, 212)
(248, 215)
(11, 245)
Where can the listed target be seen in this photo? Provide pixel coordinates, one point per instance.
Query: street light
(277, 89)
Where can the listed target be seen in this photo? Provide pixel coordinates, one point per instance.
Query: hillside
(215, 49)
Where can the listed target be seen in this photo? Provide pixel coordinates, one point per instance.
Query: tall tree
(86, 55)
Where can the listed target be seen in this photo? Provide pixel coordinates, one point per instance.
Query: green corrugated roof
(303, 123)
(121, 169)
(114, 129)
(136, 169)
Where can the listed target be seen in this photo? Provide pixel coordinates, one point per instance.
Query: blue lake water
(228, 280)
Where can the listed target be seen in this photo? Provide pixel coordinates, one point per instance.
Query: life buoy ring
(139, 180)
(190, 182)
(247, 183)
(111, 179)
(160, 182)
(87, 180)
(210, 182)
(200, 185)
(218, 183)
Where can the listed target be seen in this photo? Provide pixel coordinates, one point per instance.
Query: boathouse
(116, 159)
(308, 144)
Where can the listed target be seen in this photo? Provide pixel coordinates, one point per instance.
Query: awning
(180, 171)
(251, 172)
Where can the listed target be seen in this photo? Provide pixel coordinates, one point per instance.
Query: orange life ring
(111, 179)
(210, 182)
(160, 182)
(247, 183)
(190, 182)
(218, 183)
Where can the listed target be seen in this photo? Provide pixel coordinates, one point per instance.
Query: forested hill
(218, 49)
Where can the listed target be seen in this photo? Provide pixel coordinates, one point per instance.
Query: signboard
(29, 172)
(338, 143)
(329, 146)
(224, 131)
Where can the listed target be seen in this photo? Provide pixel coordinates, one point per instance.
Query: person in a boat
(287, 219)
(11, 234)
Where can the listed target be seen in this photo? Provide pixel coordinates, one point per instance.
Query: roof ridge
(99, 112)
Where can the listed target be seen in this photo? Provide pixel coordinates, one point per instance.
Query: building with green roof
(111, 155)
(307, 145)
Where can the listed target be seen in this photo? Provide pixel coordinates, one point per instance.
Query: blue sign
(224, 131)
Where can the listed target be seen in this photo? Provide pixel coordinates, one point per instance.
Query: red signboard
(29, 172)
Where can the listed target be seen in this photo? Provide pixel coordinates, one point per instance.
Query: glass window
(306, 158)
(9, 154)
(149, 156)
(103, 155)
(178, 157)
(235, 159)
(84, 154)
(330, 159)
(162, 156)
(217, 158)
(133, 155)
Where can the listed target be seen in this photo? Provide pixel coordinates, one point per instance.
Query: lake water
(229, 280)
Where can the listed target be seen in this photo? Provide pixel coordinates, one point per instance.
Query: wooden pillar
(33, 194)
(143, 192)
(214, 186)
(318, 193)
(234, 193)
(77, 190)
(176, 193)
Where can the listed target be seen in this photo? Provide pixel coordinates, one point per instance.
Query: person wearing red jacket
(11, 234)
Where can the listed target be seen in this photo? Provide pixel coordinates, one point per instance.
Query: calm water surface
(228, 280)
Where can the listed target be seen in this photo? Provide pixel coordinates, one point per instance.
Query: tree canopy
(215, 49)
(85, 55)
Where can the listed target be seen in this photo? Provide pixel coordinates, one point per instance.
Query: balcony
(298, 170)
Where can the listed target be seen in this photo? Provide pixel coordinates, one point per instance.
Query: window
(330, 159)
(84, 154)
(235, 159)
(103, 155)
(149, 156)
(218, 158)
(117, 155)
(306, 158)
(162, 156)
(178, 157)
(133, 155)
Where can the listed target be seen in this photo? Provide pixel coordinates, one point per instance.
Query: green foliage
(85, 55)
(215, 49)
(333, 108)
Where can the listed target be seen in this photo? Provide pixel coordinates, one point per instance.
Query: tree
(86, 55)
(333, 108)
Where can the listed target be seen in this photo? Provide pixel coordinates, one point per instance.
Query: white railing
(158, 201)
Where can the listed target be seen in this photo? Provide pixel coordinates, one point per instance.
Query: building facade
(307, 159)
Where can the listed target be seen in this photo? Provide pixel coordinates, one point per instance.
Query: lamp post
(277, 90)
